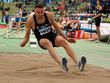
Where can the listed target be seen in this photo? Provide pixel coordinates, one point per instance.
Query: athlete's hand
(72, 40)
(22, 44)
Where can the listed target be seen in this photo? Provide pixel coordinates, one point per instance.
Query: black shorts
(97, 21)
(51, 37)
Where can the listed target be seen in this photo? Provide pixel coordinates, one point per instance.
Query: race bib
(44, 29)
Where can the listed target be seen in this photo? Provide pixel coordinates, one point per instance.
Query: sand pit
(41, 68)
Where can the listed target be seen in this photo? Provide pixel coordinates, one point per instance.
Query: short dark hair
(39, 5)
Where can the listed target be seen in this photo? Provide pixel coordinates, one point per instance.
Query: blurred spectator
(89, 8)
(7, 0)
(61, 8)
(6, 15)
(47, 4)
(72, 2)
(93, 3)
(31, 13)
(39, 1)
(20, 17)
(97, 18)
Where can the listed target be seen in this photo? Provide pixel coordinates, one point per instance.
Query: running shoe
(64, 64)
(82, 63)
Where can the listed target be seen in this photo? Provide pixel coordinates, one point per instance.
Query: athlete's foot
(64, 64)
(82, 63)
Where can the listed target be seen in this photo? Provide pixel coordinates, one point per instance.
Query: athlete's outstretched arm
(56, 26)
(27, 34)
(58, 29)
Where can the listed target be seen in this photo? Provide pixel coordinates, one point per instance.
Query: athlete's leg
(60, 41)
(45, 43)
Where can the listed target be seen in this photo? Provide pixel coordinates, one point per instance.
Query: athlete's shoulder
(30, 18)
(49, 14)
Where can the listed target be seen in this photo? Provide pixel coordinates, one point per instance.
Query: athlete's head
(39, 9)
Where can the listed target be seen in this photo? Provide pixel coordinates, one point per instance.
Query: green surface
(2, 23)
(96, 53)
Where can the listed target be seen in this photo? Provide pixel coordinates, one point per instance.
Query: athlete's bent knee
(45, 43)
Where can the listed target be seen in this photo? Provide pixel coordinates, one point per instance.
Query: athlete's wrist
(66, 38)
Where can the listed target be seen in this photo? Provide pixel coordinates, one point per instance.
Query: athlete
(41, 23)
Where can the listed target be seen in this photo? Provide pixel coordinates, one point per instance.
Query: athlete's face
(39, 12)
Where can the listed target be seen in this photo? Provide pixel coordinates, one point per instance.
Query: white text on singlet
(44, 29)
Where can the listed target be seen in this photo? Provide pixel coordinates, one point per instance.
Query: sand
(41, 68)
